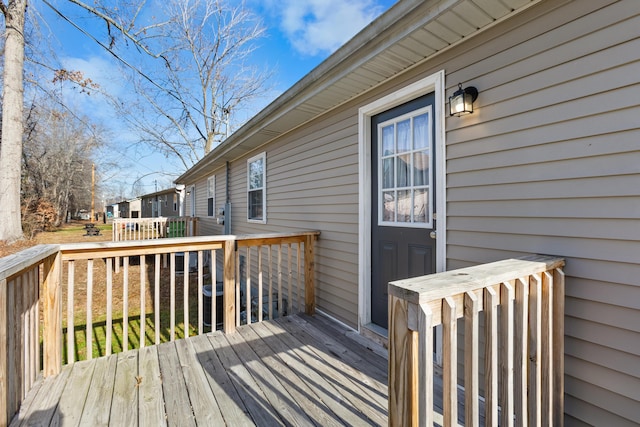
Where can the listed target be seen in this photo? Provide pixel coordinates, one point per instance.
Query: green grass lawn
(99, 331)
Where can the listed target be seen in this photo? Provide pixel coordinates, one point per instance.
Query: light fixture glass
(461, 102)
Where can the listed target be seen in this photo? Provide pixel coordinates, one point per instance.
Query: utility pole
(93, 191)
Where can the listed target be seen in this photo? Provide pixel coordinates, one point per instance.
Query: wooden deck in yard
(297, 370)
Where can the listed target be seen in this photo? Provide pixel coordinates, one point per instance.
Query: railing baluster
(71, 332)
(270, 283)
(89, 325)
(172, 287)
(185, 294)
(558, 347)
(471, 360)
(535, 350)
(547, 348)
(521, 351)
(280, 307)
(156, 298)
(260, 302)
(450, 355)
(125, 303)
(299, 279)
(214, 290)
(291, 299)
(506, 358)
(200, 298)
(143, 300)
(109, 306)
(247, 267)
(238, 286)
(491, 356)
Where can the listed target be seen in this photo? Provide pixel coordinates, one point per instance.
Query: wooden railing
(20, 295)
(161, 287)
(516, 307)
(153, 228)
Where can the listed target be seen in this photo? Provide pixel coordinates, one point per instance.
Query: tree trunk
(12, 121)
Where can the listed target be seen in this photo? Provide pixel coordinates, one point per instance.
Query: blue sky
(300, 35)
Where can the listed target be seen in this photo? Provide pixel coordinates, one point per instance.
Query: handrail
(50, 275)
(522, 303)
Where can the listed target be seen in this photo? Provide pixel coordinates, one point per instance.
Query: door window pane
(388, 140)
(404, 206)
(404, 166)
(404, 136)
(421, 162)
(387, 173)
(389, 203)
(420, 205)
(421, 136)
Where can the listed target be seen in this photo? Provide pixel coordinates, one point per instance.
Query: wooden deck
(298, 370)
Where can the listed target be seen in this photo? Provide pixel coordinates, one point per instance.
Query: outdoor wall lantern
(461, 102)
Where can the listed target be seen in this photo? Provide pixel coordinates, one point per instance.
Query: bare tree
(185, 107)
(57, 161)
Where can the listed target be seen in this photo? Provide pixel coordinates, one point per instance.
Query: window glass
(256, 199)
(405, 176)
(211, 194)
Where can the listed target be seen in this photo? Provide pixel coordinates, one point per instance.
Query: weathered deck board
(287, 372)
(150, 402)
(76, 390)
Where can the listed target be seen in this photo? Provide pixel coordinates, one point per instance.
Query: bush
(37, 216)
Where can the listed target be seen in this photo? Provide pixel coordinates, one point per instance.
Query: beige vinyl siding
(206, 225)
(312, 184)
(549, 163)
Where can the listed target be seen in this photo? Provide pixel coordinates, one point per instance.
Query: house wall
(207, 225)
(548, 163)
(312, 184)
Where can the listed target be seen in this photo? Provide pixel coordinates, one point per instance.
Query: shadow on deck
(298, 370)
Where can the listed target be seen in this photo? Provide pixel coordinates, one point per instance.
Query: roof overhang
(408, 34)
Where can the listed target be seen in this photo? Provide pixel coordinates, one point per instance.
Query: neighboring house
(364, 150)
(165, 203)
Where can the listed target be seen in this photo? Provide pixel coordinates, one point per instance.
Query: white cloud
(321, 26)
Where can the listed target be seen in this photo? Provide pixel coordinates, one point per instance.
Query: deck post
(52, 295)
(229, 288)
(309, 276)
(403, 366)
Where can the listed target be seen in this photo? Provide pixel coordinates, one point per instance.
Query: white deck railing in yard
(271, 274)
(153, 228)
(521, 342)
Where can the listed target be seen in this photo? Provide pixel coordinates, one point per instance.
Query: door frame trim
(432, 83)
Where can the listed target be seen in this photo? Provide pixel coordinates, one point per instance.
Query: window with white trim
(256, 188)
(405, 178)
(211, 195)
